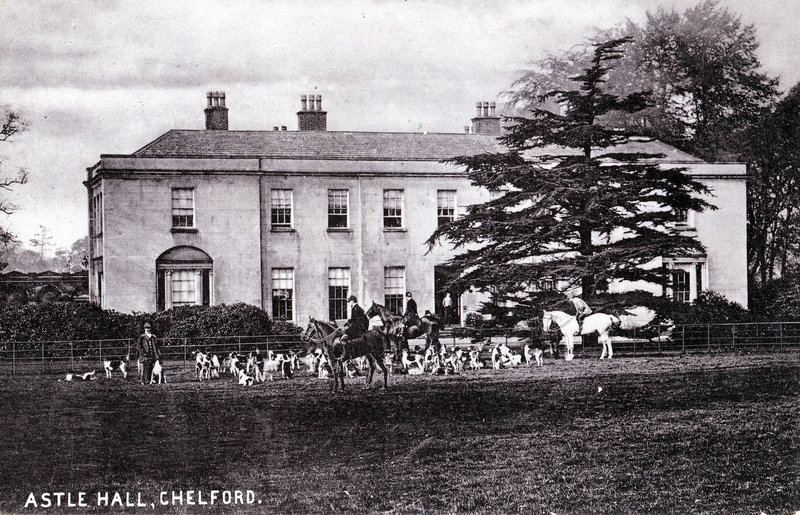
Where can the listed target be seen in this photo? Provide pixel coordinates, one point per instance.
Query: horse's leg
(603, 345)
(371, 363)
(385, 373)
(610, 347)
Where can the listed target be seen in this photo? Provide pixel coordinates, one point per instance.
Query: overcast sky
(108, 77)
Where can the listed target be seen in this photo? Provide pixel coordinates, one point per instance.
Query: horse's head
(547, 319)
(373, 310)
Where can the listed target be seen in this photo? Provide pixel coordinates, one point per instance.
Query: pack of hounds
(121, 365)
(257, 367)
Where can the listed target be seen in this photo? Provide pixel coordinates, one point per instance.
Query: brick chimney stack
(216, 112)
(486, 120)
(311, 117)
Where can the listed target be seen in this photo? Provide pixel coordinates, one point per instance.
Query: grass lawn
(680, 434)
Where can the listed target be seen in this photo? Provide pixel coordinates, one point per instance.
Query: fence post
(683, 338)
(733, 337)
(100, 347)
(185, 343)
(13, 358)
(240, 344)
(708, 335)
(780, 334)
(42, 356)
(71, 357)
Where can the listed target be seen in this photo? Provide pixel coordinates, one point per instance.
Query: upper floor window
(182, 207)
(338, 291)
(281, 208)
(445, 206)
(337, 208)
(393, 208)
(682, 216)
(96, 224)
(394, 287)
(282, 293)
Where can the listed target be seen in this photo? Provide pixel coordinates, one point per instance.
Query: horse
(371, 344)
(390, 320)
(599, 323)
(400, 332)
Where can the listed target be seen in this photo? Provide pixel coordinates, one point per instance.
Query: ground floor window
(680, 286)
(338, 291)
(283, 293)
(184, 277)
(394, 287)
(687, 277)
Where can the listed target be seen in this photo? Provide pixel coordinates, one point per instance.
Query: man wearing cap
(148, 352)
(358, 323)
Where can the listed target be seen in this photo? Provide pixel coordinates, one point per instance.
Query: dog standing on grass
(158, 372)
(148, 353)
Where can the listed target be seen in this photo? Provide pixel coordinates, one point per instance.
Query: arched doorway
(184, 277)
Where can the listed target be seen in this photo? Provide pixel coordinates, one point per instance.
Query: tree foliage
(578, 202)
(701, 68)
(773, 208)
(10, 125)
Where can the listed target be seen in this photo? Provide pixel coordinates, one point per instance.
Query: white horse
(599, 323)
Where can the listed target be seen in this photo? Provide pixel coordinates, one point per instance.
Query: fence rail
(68, 356)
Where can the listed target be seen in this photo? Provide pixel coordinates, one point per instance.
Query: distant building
(296, 221)
(18, 288)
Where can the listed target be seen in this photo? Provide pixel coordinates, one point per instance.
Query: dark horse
(370, 344)
(400, 333)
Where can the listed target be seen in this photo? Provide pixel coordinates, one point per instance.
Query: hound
(215, 366)
(497, 363)
(410, 360)
(88, 376)
(244, 379)
(531, 354)
(311, 361)
(115, 364)
(158, 371)
(202, 365)
(475, 362)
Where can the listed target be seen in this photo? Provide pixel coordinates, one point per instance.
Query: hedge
(72, 322)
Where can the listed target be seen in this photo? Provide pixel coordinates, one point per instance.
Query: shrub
(72, 321)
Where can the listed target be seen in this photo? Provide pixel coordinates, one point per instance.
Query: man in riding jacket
(411, 316)
(358, 323)
(582, 310)
(148, 352)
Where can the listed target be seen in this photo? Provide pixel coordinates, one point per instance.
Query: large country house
(296, 221)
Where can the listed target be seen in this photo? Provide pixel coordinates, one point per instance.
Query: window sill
(183, 229)
(339, 229)
(395, 229)
(281, 229)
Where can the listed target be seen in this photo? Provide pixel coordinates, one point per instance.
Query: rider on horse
(357, 324)
(582, 310)
(411, 316)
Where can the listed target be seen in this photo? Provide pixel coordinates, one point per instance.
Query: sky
(108, 77)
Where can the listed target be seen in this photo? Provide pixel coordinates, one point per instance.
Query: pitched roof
(386, 146)
(370, 146)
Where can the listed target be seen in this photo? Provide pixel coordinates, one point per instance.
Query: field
(712, 434)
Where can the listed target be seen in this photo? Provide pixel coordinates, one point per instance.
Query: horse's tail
(615, 321)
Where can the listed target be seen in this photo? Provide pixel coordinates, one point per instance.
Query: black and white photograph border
(400, 257)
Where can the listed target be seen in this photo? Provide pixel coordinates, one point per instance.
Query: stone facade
(253, 208)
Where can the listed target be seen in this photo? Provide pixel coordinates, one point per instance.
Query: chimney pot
(486, 109)
(283, 127)
(275, 128)
(466, 129)
(486, 120)
(478, 106)
(311, 117)
(216, 112)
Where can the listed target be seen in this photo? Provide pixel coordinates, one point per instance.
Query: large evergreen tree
(578, 202)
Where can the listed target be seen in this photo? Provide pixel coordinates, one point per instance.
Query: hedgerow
(72, 322)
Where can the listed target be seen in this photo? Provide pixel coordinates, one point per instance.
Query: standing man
(358, 323)
(582, 310)
(148, 352)
(447, 303)
(411, 316)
